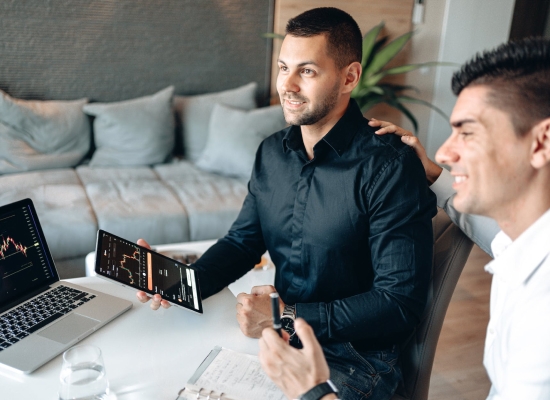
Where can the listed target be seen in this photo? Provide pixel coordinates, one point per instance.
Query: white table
(148, 354)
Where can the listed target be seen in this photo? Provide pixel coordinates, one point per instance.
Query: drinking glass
(83, 374)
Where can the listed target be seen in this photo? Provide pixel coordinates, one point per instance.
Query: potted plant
(372, 90)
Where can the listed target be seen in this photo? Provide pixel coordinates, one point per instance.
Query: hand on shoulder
(432, 169)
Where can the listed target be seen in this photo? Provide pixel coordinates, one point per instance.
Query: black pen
(276, 312)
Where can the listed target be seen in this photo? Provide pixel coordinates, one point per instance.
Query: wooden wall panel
(396, 14)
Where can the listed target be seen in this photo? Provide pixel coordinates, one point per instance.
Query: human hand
(432, 169)
(156, 300)
(294, 371)
(254, 310)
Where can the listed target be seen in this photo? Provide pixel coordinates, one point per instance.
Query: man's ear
(540, 148)
(353, 74)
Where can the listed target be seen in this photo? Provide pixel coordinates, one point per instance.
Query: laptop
(41, 316)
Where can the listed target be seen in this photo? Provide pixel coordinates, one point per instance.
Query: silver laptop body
(41, 316)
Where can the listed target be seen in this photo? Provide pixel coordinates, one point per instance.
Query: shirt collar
(515, 261)
(338, 138)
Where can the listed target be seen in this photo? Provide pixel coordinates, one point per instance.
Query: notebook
(41, 316)
(228, 375)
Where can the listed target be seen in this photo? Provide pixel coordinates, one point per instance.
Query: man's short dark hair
(518, 76)
(345, 43)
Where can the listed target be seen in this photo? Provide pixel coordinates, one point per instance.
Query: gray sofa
(122, 185)
(166, 203)
(115, 52)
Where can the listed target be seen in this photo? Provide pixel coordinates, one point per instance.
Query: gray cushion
(212, 206)
(41, 134)
(234, 136)
(195, 114)
(63, 210)
(139, 209)
(133, 132)
(116, 174)
(183, 171)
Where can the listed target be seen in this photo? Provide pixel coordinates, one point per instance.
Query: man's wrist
(433, 172)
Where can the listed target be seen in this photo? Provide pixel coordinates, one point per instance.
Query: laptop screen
(25, 261)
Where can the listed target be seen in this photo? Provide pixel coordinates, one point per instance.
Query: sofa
(115, 167)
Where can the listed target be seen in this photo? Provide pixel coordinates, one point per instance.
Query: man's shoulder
(383, 147)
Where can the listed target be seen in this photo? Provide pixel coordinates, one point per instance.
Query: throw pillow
(41, 134)
(133, 132)
(234, 136)
(195, 114)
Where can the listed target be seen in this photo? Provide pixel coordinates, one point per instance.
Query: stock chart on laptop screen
(23, 264)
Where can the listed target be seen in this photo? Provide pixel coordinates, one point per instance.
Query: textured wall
(109, 50)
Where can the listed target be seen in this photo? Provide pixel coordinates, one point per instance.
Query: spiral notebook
(229, 375)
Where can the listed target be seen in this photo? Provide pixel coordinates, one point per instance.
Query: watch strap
(317, 392)
(289, 311)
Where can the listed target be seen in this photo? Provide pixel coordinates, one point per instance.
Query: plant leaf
(387, 53)
(397, 105)
(367, 105)
(409, 99)
(271, 35)
(363, 92)
(369, 40)
(398, 88)
(411, 67)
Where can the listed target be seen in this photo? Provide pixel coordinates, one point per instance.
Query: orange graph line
(6, 244)
(134, 256)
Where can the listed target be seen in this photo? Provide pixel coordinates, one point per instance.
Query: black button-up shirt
(350, 232)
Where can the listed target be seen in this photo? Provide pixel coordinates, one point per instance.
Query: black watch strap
(319, 391)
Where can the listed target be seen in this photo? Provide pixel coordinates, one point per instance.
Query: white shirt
(517, 346)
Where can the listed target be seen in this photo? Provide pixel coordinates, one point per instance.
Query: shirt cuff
(443, 188)
(314, 314)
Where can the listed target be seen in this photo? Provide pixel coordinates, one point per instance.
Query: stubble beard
(314, 115)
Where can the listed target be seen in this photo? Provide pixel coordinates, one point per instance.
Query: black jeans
(372, 375)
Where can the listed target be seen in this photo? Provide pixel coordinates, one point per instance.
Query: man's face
(489, 161)
(309, 81)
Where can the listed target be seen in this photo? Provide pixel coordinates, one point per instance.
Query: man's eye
(308, 71)
(462, 133)
(283, 68)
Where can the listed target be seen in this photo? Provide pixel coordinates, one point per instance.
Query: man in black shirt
(345, 214)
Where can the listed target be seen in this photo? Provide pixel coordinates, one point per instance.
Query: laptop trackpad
(69, 328)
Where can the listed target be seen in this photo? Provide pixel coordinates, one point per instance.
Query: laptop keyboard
(39, 312)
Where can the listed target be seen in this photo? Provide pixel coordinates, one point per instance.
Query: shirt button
(491, 331)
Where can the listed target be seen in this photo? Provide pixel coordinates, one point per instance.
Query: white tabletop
(148, 354)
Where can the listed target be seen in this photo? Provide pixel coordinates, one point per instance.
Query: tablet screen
(143, 269)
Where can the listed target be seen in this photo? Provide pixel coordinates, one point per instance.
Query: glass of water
(83, 374)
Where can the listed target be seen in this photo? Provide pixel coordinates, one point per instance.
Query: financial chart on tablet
(146, 270)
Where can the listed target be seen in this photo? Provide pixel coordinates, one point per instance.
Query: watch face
(288, 325)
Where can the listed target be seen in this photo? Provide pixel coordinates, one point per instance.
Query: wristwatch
(287, 323)
(319, 391)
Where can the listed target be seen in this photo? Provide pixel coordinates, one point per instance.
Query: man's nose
(447, 153)
(289, 84)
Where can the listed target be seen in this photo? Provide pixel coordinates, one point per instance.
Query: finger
(286, 336)
(143, 243)
(306, 335)
(264, 289)
(155, 302)
(241, 296)
(376, 122)
(272, 338)
(142, 296)
(165, 304)
(414, 143)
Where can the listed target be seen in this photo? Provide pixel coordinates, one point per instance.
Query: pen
(276, 313)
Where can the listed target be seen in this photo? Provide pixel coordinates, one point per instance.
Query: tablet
(140, 268)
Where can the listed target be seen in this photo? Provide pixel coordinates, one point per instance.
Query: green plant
(371, 89)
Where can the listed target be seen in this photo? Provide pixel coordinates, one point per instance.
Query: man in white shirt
(499, 159)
